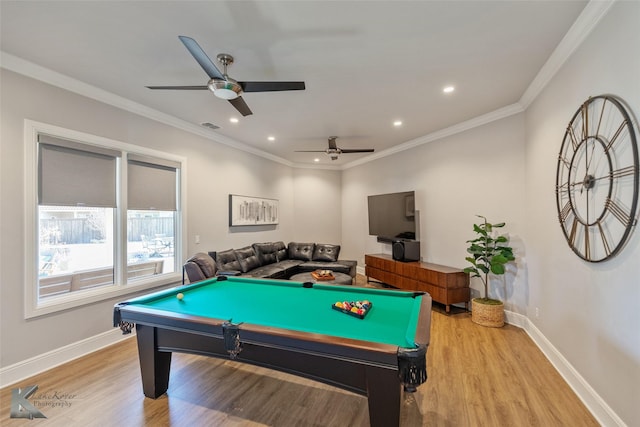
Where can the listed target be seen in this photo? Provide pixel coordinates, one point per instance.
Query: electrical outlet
(197, 239)
(537, 312)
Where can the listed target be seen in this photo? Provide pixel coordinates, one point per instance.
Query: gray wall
(317, 206)
(213, 172)
(475, 172)
(589, 313)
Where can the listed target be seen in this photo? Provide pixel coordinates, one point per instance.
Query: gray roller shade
(75, 174)
(152, 183)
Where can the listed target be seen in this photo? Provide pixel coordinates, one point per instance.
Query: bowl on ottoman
(339, 278)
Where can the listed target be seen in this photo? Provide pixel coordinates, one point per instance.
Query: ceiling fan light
(225, 89)
(225, 94)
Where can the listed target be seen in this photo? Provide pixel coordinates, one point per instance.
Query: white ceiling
(365, 63)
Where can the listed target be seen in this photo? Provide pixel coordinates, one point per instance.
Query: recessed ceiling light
(316, 159)
(397, 123)
(271, 138)
(448, 89)
(233, 120)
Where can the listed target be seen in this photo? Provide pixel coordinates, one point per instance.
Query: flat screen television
(392, 216)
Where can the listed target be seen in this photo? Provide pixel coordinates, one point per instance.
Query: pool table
(292, 327)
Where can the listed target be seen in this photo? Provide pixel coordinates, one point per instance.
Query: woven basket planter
(491, 315)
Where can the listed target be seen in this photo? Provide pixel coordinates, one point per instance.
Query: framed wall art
(245, 210)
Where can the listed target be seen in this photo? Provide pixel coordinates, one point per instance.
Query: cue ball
(180, 296)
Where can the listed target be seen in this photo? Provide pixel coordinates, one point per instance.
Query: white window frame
(33, 306)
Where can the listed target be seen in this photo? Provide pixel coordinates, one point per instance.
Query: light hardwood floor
(477, 377)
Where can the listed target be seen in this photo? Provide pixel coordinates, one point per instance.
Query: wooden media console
(446, 285)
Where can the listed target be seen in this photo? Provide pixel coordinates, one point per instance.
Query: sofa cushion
(325, 252)
(281, 251)
(290, 265)
(247, 258)
(266, 253)
(226, 260)
(271, 271)
(205, 262)
(301, 251)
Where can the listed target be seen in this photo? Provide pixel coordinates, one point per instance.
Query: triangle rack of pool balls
(357, 309)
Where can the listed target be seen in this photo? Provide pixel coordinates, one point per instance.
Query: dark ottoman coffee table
(339, 279)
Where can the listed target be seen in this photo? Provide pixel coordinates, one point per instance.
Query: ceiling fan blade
(241, 106)
(179, 87)
(271, 86)
(310, 151)
(202, 58)
(363, 150)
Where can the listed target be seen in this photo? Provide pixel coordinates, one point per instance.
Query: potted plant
(489, 255)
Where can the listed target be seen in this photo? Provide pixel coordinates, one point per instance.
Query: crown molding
(498, 114)
(37, 72)
(592, 13)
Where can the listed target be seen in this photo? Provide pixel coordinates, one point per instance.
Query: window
(75, 249)
(106, 218)
(151, 215)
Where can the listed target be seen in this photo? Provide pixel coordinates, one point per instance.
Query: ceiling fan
(334, 151)
(224, 86)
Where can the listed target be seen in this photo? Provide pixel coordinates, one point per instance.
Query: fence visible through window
(76, 247)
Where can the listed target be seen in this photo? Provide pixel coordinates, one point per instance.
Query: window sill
(80, 298)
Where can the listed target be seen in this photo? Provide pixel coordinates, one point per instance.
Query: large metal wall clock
(597, 179)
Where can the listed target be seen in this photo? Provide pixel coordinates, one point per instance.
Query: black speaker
(406, 250)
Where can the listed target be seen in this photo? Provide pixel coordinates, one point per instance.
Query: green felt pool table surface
(289, 305)
(288, 326)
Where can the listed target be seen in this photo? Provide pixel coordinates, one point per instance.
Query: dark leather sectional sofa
(273, 260)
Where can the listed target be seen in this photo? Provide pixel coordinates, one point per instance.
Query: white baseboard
(594, 403)
(35, 365)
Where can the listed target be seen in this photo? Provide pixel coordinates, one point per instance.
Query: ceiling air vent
(210, 125)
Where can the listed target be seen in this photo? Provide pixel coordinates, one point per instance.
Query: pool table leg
(154, 364)
(384, 393)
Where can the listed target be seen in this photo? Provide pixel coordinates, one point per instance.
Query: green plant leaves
(480, 229)
(489, 254)
(497, 269)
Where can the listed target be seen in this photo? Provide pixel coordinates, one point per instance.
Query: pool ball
(180, 296)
